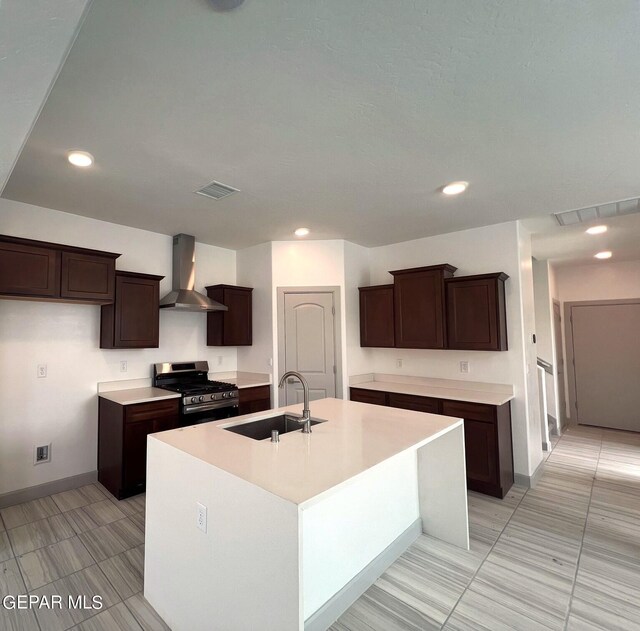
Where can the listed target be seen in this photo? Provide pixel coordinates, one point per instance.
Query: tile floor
(565, 555)
(80, 542)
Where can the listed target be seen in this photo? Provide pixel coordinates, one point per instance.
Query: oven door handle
(217, 405)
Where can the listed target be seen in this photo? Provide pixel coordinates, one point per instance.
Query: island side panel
(243, 573)
(442, 480)
(347, 528)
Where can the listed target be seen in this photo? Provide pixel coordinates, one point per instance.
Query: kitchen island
(295, 530)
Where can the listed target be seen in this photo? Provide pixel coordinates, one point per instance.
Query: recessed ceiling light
(603, 255)
(455, 188)
(596, 229)
(301, 232)
(80, 158)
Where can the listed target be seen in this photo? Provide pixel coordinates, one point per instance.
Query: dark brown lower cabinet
(375, 397)
(122, 442)
(415, 403)
(487, 435)
(255, 399)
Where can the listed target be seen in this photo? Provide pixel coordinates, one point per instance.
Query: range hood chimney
(184, 297)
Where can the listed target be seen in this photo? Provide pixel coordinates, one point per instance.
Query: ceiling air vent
(612, 209)
(217, 190)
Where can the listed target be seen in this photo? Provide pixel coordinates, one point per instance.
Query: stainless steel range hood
(184, 297)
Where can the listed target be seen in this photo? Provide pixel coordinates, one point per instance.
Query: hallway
(565, 555)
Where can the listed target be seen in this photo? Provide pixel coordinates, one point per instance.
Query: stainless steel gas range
(202, 400)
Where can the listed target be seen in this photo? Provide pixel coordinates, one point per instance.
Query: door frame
(559, 358)
(569, 367)
(337, 330)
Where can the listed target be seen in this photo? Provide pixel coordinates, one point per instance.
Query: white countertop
(455, 390)
(301, 467)
(242, 379)
(139, 395)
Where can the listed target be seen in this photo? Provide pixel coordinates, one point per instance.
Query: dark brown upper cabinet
(476, 313)
(132, 320)
(419, 306)
(376, 316)
(38, 270)
(232, 327)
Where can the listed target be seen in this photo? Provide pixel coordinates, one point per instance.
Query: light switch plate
(201, 517)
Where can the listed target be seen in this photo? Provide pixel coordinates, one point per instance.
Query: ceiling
(345, 117)
(35, 37)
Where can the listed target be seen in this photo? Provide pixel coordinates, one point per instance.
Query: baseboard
(324, 617)
(529, 481)
(48, 488)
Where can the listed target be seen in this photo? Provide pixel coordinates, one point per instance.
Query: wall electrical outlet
(219, 360)
(398, 363)
(464, 366)
(123, 366)
(42, 371)
(201, 517)
(42, 454)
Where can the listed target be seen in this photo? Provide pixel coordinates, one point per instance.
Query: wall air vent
(603, 211)
(217, 190)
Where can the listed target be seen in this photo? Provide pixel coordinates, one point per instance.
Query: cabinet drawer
(475, 411)
(415, 403)
(152, 410)
(375, 397)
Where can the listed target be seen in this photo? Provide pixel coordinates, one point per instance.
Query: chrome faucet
(306, 412)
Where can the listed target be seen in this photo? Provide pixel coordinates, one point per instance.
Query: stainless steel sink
(261, 429)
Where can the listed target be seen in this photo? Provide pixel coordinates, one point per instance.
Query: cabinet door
(232, 327)
(376, 316)
(481, 453)
(476, 315)
(29, 271)
(252, 400)
(238, 320)
(362, 395)
(136, 312)
(88, 277)
(415, 403)
(419, 307)
(135, 453)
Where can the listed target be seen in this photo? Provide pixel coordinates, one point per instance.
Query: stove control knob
(200, 398)
(213, 397)
(225, 395)
(193, 399)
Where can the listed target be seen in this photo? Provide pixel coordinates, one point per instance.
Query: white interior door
(309, 344)
(606, 353)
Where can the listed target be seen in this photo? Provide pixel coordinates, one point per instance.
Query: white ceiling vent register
(217, 190)
(612, 209)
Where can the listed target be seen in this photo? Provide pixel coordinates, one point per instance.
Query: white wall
(544, 285)
(309, 264)
(254, 269)
(491, 249)
(604, 280)
(62, 409)
(531, 389)
(357, 273)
